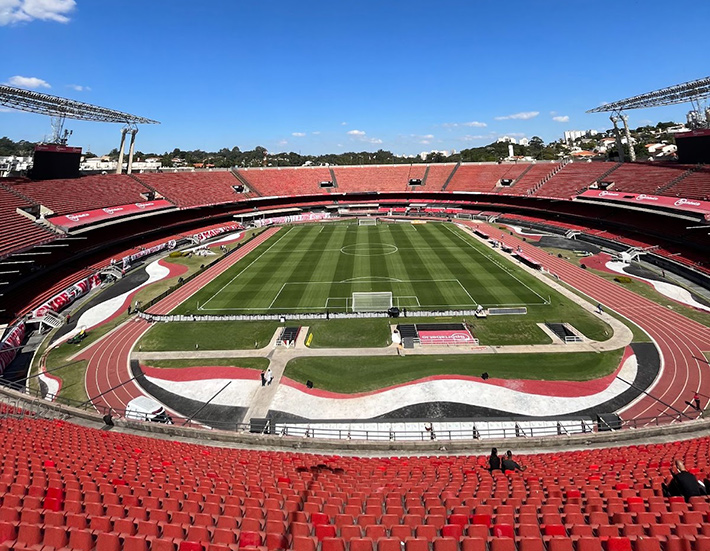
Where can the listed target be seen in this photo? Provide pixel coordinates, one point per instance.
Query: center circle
(364, 249)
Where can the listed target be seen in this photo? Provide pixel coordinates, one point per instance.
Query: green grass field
(313, 268)
(350, 374)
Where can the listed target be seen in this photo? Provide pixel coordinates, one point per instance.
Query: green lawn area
(209, 335)
(360, 374)
(356, 333)
(248, 363)
(73, 375)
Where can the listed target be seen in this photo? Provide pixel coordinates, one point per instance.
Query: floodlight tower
(59, 134)
(132, 129)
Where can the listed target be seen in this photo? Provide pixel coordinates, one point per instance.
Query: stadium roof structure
(54, 106)
(693, 91)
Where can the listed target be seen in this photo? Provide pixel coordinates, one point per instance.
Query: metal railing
(33, 402)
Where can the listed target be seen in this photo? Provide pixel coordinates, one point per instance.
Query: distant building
(661, 150)
(572, 135)
(506, 139)
(424, 154)
(14, 165)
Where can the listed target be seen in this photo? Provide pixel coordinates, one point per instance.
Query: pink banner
(99, 215)
(446, 337)
(10, 344)
(66, 297)
(305, 217)
(216, 231)
(676, 203)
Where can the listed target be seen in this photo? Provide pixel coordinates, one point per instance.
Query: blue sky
(319, 77)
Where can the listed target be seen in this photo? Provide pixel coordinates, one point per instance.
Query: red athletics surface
(108, 369)
(200, 373)
(680, 340)
(544, 388)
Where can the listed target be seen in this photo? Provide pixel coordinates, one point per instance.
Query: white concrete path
(670, 290)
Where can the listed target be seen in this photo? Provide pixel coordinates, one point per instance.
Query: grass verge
(248, 363)
(208, 335)
(361, 374)
(356, 333)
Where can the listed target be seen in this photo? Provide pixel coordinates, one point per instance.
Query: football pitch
(318, 267)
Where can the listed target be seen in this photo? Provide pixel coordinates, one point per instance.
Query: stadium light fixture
(693, 91)
(55, 106)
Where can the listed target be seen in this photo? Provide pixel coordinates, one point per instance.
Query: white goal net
(372, 302)
(367, 221)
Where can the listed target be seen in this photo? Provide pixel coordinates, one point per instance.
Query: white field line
(473, 300)
(466, 306)
(277, 296)
(245, 269)
(494, 261)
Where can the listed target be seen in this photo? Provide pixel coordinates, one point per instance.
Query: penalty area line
(497, 263)
(246, 268)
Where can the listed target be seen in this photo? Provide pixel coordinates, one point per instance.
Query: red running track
(108, 359)
(680, 340)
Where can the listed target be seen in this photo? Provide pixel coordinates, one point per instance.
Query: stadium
(320, 358)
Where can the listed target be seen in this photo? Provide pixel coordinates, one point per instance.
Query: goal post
(367, 221)
(372, 302)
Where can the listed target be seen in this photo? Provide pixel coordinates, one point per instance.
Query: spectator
(494, 461)
(683, 483)
(508, 464)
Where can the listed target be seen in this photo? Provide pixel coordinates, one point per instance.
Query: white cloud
(360, 135)
(23, 11)
(298, 134)
(469, 138)
(343, 123)
(561, 118)
(78, 87)
(470, 124)
(281, 143)
(27, 82)
(316, 133)
(5, 110)
(424, 142)
(523, 116)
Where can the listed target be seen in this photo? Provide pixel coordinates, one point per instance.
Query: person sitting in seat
(683, 483)
(494, 461)
(509, 465)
